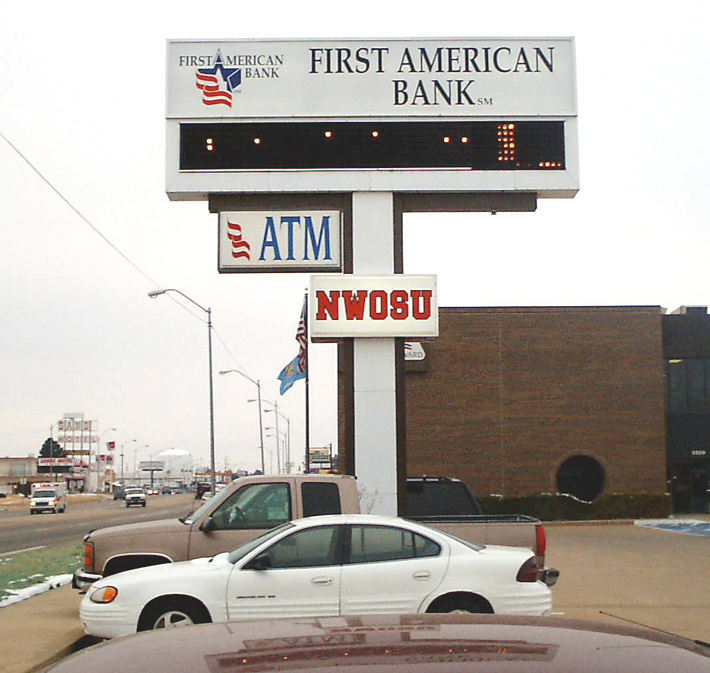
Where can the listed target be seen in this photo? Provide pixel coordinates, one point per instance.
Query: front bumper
(82, 580)
(107, 621)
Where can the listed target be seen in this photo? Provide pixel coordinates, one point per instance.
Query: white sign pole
(374, 363)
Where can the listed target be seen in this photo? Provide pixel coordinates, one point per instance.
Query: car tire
(462, 605)
(171, 613)
(143, 504)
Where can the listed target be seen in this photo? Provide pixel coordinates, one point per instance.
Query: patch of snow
(23, 594)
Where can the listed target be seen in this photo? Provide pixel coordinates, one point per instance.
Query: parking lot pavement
(646, 575)
(40, 630)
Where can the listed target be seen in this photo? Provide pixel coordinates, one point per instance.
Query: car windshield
(44, 494)
(134, 491)
(240, 552)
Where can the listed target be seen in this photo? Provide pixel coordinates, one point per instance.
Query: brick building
(520, 401)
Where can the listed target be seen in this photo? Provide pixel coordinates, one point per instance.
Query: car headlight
(104, 595)
(33, 503)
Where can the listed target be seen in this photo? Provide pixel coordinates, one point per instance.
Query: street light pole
(98, 456)
(135, 461)
(258, 394)
(208, 311)
(287, 446)
(122, 445)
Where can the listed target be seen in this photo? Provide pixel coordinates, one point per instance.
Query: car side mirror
(208, 525)
(261, 562)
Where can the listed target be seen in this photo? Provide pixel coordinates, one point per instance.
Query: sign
(319, 455)
(478, 114)
(55, 462)
(413, 351)
(373, 306)
(151, 465)
(299, 241)
(356, 78)
(78, 438)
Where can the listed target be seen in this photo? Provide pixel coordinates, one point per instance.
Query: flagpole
(308, 397)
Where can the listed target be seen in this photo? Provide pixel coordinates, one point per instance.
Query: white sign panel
(414, 351)
(256, 241)
(373, 306)
(469, 77)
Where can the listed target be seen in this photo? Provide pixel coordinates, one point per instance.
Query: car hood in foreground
(397, 644)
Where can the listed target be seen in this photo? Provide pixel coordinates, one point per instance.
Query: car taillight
(540, 539)
(88, 556)
(528, 571)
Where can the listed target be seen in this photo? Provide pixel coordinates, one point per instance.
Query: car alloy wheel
(172, 619)
(168, 613)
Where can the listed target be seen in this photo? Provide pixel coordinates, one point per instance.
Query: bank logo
(218, 82)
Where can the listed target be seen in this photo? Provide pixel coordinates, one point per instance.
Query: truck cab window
(255, 506)
(320, 498)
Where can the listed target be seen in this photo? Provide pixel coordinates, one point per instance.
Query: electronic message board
(441, 115)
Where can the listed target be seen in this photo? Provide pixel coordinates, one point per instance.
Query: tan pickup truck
(250, 506)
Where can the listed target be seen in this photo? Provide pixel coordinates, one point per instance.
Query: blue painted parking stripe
(688, 526)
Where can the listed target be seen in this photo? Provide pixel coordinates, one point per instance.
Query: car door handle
(422, 575)
(322, 580)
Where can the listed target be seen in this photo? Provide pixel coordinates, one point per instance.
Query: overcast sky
(82, 88)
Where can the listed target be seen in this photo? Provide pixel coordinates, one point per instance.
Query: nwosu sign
(373, 306)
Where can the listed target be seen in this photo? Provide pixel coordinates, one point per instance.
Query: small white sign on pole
(298, 241)
(373, 306)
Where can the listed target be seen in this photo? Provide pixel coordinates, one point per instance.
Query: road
(19, 530)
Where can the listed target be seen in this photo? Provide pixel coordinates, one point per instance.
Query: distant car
(135, 496)
(152, 490)
(166, 490)
(48, 499)
(425, 643)
(207, 495)
(333, 566)
(119, 494)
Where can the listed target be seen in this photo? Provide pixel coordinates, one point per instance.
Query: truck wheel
(461, 605)
(170, 613)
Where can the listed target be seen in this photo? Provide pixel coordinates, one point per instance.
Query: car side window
(255, 506)
(309, 548)
(371, 544)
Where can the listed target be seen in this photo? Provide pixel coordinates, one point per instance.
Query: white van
(48, 498)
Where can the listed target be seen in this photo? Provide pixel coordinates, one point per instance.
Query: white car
(135, 496)
(319, 567)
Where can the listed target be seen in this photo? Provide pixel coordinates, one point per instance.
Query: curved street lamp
(287, 445)
(122, 445)
(135, 461)
(208, 311)
(98, 458)
(258, 392)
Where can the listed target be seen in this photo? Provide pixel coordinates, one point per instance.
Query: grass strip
(27, 568)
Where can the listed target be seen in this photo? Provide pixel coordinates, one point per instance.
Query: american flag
(302, 338)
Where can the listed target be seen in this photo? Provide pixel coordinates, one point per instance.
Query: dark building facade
(686, 347)
(523, 401)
